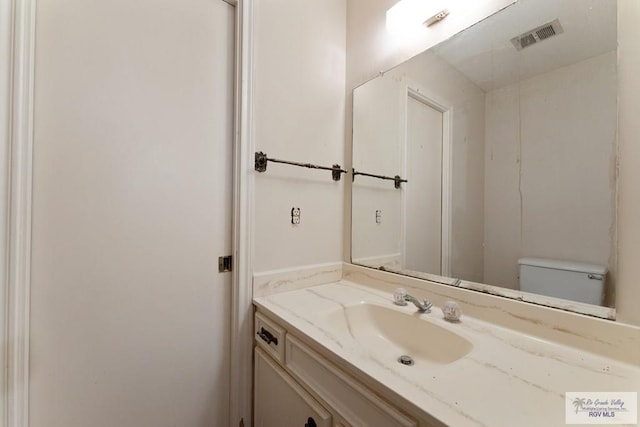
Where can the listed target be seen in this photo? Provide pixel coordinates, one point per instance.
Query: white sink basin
(387, 333)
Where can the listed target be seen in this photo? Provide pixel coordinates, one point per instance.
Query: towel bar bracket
(261, 161)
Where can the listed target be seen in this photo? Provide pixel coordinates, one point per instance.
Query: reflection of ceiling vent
(537, 35)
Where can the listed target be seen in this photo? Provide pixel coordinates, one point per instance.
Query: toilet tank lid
(564, 265)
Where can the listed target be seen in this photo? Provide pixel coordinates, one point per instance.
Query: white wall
(132, 149)
(299, 110)
(549, 175)
(628, 284)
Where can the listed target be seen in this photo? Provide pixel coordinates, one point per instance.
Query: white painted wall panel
(298, 105)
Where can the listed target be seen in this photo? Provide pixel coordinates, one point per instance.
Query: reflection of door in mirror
(423, 207)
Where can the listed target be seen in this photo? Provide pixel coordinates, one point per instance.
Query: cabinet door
(280, 401)
(351, 401)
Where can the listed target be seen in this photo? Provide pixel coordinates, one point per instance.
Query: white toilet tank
(563, 279)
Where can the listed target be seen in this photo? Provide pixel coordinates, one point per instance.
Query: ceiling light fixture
(410, 16)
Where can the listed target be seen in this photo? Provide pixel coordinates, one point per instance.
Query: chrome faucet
(423, 307)
(400, 297)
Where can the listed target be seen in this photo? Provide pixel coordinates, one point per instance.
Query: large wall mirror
(504, 140)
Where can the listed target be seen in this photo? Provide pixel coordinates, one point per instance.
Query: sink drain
(406, 360)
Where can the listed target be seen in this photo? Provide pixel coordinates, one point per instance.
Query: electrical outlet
(295, 216)
(378, 217)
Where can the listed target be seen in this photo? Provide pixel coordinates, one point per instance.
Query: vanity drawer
(352, 401)
(270, 337)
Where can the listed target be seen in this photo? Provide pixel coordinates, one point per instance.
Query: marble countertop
(508, 378)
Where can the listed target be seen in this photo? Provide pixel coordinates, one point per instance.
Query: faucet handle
(398, 296)
(451, 311)
(427, 306)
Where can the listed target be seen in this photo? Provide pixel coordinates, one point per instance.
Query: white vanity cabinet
(293, 382)
(280, 401)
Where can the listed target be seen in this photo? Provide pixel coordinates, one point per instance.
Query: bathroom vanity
(327, 355)
(292, 379)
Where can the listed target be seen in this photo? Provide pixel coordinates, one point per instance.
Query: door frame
(412, 89)
(6, 9)
(16, 207)
(241, 346)
(16, 172)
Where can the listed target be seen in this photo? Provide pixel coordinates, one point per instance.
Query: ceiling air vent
(537, 35)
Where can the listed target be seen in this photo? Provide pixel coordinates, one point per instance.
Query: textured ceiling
(485, 54)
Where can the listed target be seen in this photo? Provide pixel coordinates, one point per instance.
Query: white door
(130, 318)
(423, 197)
